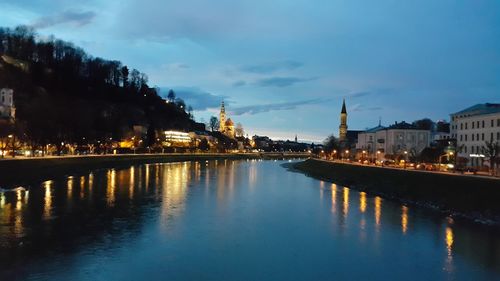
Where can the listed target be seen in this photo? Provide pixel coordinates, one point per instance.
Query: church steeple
(222, 118)
(343, 123)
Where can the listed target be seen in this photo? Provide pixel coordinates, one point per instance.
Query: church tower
(343, 123)
(222, 118)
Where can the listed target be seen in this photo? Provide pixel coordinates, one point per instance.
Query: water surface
(229, 220)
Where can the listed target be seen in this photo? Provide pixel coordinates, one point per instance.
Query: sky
(283, 67)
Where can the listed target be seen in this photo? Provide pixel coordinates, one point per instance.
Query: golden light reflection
(110, 188)
(131, 183)
(47, 207)
(362, 202)
(19, 201)
(82, 186)
(147, 177)
(174, 190)
(91, 184)
(70, 187)
(345, 210)
(449, 240)
(2, 200)
(378, 207)
(334, 197)
(404, 219)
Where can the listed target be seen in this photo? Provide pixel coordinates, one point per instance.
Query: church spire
(222, 118)
(343, 123)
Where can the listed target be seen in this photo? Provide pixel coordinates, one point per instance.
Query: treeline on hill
(63, 94)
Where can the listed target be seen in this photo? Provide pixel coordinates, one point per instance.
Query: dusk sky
(283, 67)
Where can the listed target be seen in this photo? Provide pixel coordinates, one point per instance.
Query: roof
(402, 126)
(375, 129)
(480, 109)
(229, 122)
(343, 107)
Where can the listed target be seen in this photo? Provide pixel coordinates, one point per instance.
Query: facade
(226, 126)
(394, 140)
(343, 123)
(7, 109)
(474, 126)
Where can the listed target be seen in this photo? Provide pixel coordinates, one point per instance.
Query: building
(7, 109)
(343, 123)
(226, 126)
(474, 126)
(380, 141)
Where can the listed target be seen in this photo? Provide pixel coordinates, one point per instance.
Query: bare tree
(492, 151)
(213, 123)
(239, 130)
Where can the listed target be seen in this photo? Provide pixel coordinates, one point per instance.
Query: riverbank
(456, 195)
(20, 172)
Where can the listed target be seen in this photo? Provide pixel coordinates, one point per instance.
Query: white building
(474, 126)
(7, 109)
(393, 140)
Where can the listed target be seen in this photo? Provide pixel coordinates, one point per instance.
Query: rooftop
(480, 109)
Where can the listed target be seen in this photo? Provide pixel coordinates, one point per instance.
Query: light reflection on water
(227, 212)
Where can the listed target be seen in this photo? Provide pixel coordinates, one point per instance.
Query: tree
(239, 132)
(424, 124)
(213, 123)
(203, 145)
(171, 96)
(124, 76)
(330, 144)
(492, 151)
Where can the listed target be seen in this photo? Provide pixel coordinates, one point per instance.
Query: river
(229, 220)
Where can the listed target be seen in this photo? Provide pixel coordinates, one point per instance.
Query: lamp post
(347, 154)
(406, 158)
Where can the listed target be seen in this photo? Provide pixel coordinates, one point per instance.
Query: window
(478, 124)
(466, 125)
(482, 123)
(473, 125)
(498, 122)
(466, 137)
(477, 136)
(461, 137)
(472, 137)
(482, 136)
(461, 126)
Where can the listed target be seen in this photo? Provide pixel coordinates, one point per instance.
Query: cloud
(261, 108)
(76, 18)
(240, 83)
(281, 81)
(271, 67)
(360, 107)
(195, 97)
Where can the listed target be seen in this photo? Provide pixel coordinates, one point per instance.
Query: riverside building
(472, 128)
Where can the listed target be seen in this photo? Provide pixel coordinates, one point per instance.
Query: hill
(63, 94)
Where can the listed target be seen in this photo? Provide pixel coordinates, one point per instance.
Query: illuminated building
(226, 126)
(474, 126)
(343, 123)
(174, 138)
(7, 109)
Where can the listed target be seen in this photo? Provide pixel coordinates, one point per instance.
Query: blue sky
(283, 67)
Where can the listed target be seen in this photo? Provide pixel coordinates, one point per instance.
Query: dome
(229, 122)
